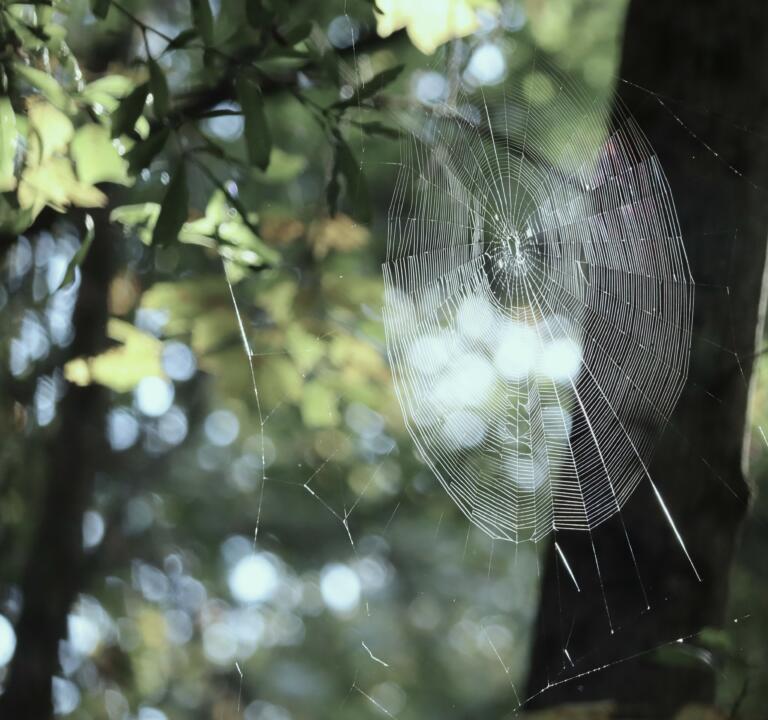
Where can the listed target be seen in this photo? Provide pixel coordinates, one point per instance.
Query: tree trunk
(54, 568)
(707, 56)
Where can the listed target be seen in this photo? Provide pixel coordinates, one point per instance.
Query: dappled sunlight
(430, 24)
(338, 341)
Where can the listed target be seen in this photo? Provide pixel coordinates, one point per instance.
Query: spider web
(538, 299)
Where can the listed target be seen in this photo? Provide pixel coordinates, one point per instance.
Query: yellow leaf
(430, 24)
(283, 167)
(151, 625)
(140, 218)
(82, 194)
(78, 372)
(281, 230)
(185, 300)
(42, 185)
(213, 329)
(363, 291)
(96, 158)
(358, 359)
(8, 141)
(46, 84)
(120, 368)
(337, 233)
(54, 183)
(105, 93)
(50, 130)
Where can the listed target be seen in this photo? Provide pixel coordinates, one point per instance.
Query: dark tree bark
(705, 62)
(54, 569)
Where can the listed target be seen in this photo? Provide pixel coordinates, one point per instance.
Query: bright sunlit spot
(487, 66)
(430, 87)
(340, 588)
(222, 427)
(178, 361)
(254, 579)
(153, 396)
(561, 360)
(464, 429)
(7, 641)
(122, 428)
(517, 351)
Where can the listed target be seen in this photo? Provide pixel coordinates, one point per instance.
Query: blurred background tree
(702, 463)
(185, 180)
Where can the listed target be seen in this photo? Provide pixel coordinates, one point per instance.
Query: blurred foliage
(429, 26)
(246, 150)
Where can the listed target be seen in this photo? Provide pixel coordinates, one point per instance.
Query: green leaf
(682, 655)
(297, 33)
(257, 136)
(281, 380)
(223, 226)
(82, 251)
(158, 86)
(100, 8)
(174, 210)
(107, 91)
(305, 349)
(31, 37)
(129, 111)
(282, 63)
(140, 214)
(96, 158)
(38, 32)
(181, 40)
(50, 131)
(258, 15)
(8, 141)
(347, 166)
(202, 19)
(140, 219)
(283, 167)
(251, 248)
(14, 220)
(46, 84)
(319, 406)
(379, 82)
(144, 152)
(715, 639)
(376, 83)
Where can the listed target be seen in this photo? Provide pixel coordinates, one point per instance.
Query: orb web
(538, 304)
